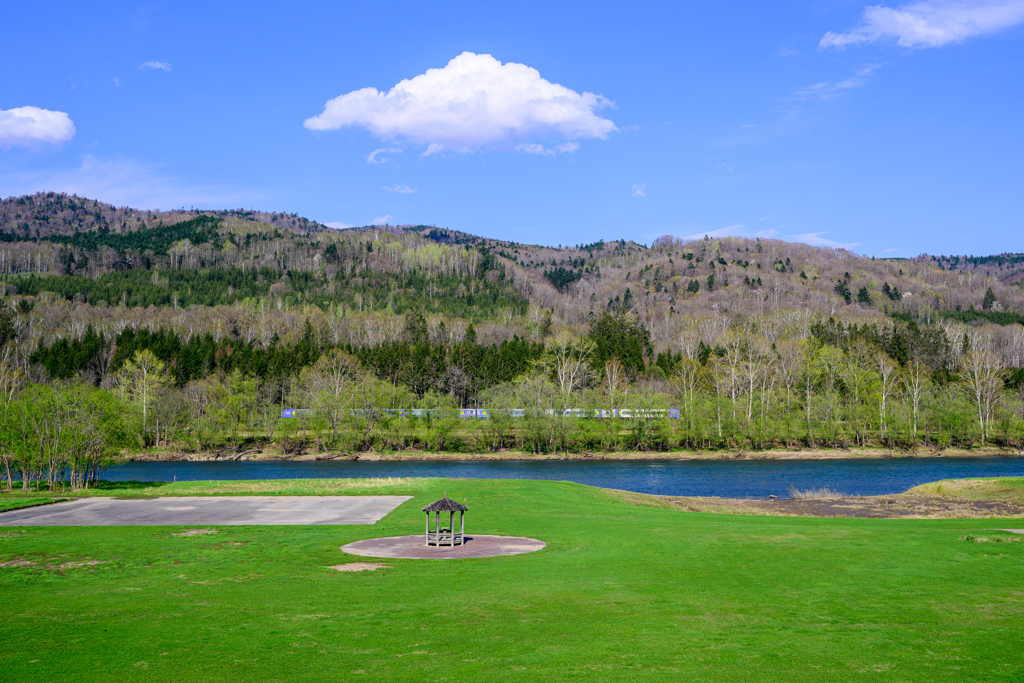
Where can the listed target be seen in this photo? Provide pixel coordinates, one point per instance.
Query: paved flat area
(412, 547)
(202, 510)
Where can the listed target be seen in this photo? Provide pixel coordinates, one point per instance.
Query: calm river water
(729, 479)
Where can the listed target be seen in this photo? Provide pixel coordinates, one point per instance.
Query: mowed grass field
(623, 592)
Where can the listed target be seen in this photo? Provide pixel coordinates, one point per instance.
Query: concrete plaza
(202, 510)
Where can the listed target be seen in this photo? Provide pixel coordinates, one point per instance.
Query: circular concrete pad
(412, 547)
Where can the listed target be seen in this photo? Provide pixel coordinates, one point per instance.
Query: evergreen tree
(620, 336)
(990, 298)
(416, 327)
(843, 290)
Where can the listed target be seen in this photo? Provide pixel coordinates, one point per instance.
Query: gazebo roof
(445, 505)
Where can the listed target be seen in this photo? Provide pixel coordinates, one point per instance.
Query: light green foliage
(140, 380)
(64, 434)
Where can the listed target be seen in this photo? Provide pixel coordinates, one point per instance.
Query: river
(728, 479)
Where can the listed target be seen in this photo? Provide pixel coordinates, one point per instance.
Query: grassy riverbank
(993, 488)
(627, 589)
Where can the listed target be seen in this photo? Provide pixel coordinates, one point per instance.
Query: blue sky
(892, 129)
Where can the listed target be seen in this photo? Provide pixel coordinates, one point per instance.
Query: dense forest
(192, 331)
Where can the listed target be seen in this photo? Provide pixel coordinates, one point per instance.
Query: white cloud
(535, 148)
(815, 239)
(474, 102)
(727, 231)
(827, 90)
(931, 23)
(338, 225)
(117, 82)
(382, 220)
(33, 127)
(889, 251)
(124, 182)
(400, 189)
(739, 230)
(373, 158)
(640, 190)
(160, 66)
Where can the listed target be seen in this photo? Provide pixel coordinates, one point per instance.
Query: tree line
(750, 388)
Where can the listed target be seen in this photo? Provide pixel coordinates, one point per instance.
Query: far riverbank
(269, 455)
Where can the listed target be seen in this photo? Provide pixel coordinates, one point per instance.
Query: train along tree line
(766, 382)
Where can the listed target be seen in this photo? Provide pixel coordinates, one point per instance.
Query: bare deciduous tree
(980, 373)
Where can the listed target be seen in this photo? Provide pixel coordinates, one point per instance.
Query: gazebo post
(426, 538)
(451, 527)
(462, 531)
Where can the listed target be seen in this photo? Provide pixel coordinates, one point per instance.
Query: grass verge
(15, 502)
(998, 488)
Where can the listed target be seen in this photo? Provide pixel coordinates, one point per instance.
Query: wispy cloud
(375, 158)
(789, 113)
(474, 102)
(125, 182)
(338, 225)
(640, 190)
(32, 127)
(932, 23)
(889, 251)
(815, 239)
(382, 220)
(829, 90)
(541, 150)
(159, 66)
(400, 189)
(728, 231)
(535, 148)
(740, 230)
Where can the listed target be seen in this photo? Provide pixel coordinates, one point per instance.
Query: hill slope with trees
(209, 324)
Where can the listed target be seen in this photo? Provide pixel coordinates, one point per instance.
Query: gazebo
(441, 536)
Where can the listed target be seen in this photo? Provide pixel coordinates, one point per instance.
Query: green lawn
(622, 592)
(9, 502)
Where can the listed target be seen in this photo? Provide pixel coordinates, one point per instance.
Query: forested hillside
(235, 315)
